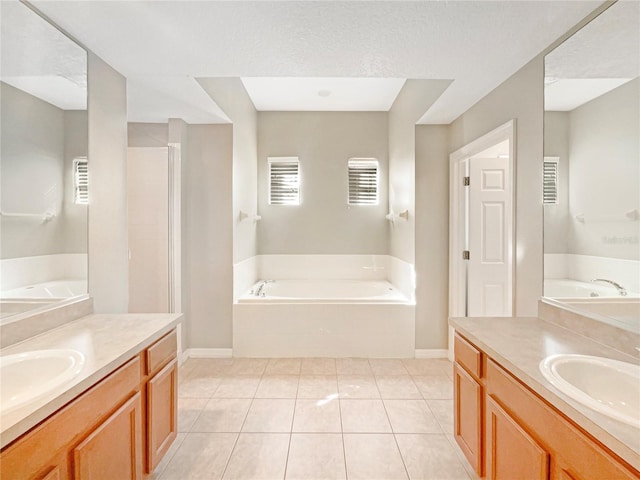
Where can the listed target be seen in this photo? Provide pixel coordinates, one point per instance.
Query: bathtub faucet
(258, 291)
(621, 290)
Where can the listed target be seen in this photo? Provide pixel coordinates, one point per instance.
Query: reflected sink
(607, 386)
(25, 377)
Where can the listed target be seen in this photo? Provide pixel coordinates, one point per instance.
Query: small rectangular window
(363, 181)
(284, 181)
(81, 181)
(550, 181)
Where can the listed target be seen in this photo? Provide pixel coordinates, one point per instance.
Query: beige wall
(432, 236)
(323, 223)
(209, 194)
(521, 98)
(108, 256)
(147, 134)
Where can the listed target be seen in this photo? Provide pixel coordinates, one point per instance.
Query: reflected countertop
(107, 342)
(519, 344)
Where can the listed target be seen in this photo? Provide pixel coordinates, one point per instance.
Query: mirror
(43, 163)
(592, 169)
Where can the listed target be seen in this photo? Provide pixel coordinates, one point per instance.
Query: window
(284, 181)
(81, 181)
(550, 181)
(363, 181)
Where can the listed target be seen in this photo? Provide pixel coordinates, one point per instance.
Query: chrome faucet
(259, 291)
(621, 290)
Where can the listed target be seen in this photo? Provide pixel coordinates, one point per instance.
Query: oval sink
(25, 377)
(608, 386)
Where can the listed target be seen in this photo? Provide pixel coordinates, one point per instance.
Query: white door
(489, 214)
(148, 207)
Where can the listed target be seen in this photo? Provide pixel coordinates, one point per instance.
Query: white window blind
(81, 181)
(363, 181)
(284, 181)
(550, 180)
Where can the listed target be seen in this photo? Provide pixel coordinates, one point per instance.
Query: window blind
(81, 181)
(363, 181)
(284, 181)
(550, 181)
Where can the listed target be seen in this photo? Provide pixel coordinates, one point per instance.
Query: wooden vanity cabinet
(124, 423)
(522, 436)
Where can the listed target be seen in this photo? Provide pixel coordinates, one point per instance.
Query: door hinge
(466, 181)
(465, 255)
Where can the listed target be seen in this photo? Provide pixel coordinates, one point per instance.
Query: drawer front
(161, 352)
(468, 356)
(576, 455)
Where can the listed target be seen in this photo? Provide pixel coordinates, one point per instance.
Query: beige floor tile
(463, 460)
(188, 411)
(313, 416)
(430, 457)
(318, 386)
(316, 456)
(283, 366)
(201, 456)
(387, 366)
(435, 387)
(258, 456)
(357, 386)
(237, 387)
(198, 387)
(278, 386)
(398, 386)
(411, 416)
(353, 366)
(425, 366)
(222, 415)
(373, 457)
(270, 415)
(364, 416)
(210, 367)
(443, 411)
(167, 457)
(318, 366)
(248, 366)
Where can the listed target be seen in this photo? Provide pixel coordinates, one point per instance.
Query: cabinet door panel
(468, 416)
(114, 449)
(162, 409)
(512, 453)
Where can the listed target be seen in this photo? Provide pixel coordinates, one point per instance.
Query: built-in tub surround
(324, 305)
(106, 341)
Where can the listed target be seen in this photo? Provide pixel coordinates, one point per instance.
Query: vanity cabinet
(523, 436)
(118, 429)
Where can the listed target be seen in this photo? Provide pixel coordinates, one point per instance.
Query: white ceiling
(477, 44)
(566, 94)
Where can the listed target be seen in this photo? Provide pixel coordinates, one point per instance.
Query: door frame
(458, 164)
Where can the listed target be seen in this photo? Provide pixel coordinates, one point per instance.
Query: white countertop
(520, 343)
(107, 341)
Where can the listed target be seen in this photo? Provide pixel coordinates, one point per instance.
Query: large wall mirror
(43, 163)
(592, 169)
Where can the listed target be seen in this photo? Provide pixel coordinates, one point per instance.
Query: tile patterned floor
(315, 418)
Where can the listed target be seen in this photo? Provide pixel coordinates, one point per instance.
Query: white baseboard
(207, 353)
(432, 353)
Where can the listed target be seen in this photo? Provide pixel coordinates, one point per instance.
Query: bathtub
(325, 291)
(324, 318)
(569, 288)
(54, 289)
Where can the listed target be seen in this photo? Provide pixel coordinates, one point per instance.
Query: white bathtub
(569, 288)
(325, 291)
(54, 289)
(324, 318)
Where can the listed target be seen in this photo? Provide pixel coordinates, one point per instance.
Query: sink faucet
(259, 291)
(621, 290)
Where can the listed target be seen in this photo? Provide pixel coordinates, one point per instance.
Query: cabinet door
(162, 409)
(467, 398)
(114, 449)
(512, 453)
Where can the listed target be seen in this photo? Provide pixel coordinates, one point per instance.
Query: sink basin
(25, 377)
(608, 386)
